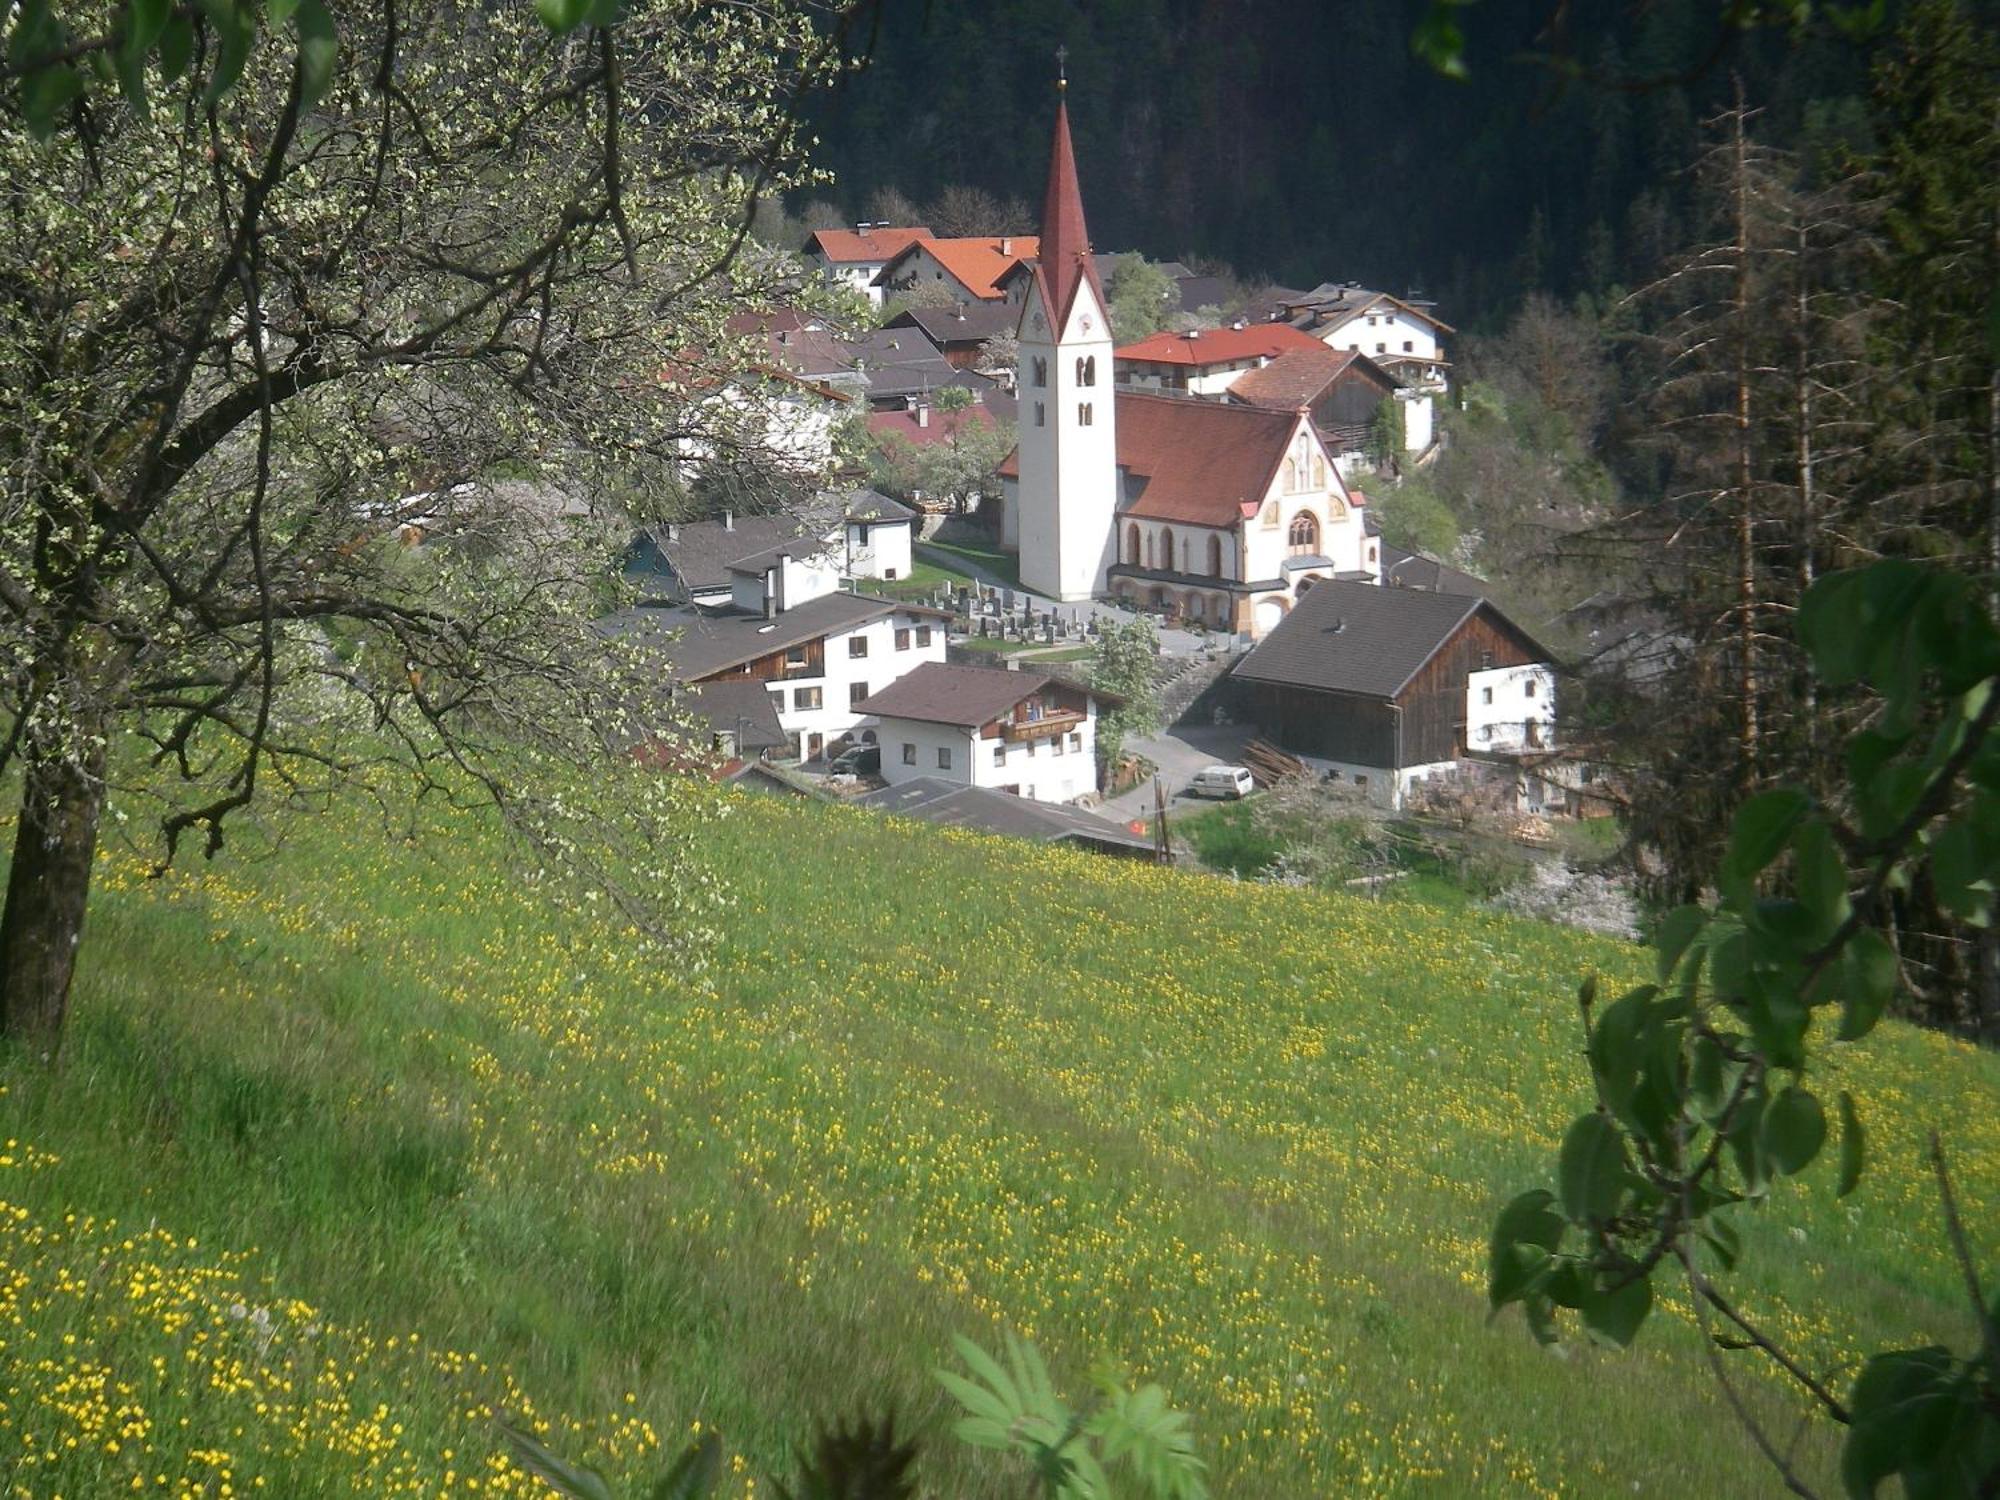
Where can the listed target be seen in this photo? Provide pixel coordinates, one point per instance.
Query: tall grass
(355, 1141)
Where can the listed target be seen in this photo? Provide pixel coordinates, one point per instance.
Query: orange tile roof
(848, 246)
(977, 262)
(1219, 346)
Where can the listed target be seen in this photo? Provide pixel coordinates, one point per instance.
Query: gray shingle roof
(711, 643)
(975, 322)
(700, 552)
(1358, 638)
(873, 505)
(938, 801)
(726, 707)
(1415, 570)
(946, 693)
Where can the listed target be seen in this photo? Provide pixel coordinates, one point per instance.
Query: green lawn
(355, 1140)
(1004, 566)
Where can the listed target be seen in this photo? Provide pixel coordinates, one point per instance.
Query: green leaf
(235, 26)
(176, 47)
(1615, 1316)
(1678, 930)
(1617, 1045)
(561, 16)
(1524, 1236)
(144, 21)
(319, 50)
(1853, 1146)
(1894, 1406)
(695, 1473)
(1794, 1130)
(1832, 627)
(278, 12)
(1591, 1169)
(1962, 872)
(1821, 878)
(1723, 1239)
(1869, 974)
(575, 1480)
(977, 1400)
(1761, 829)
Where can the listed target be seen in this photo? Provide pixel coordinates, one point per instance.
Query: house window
(1361, 781)
(1076, 741)
(1031, 749)
(1303, 539)
(903, 639)
(1381, 348)
(778, 699)
(1086, 371)
(1041, 371)
(1371, 320)
(944, 757)
(1041, 415)
(1083, 413)
(856, 693)
(909, 753)
(1485, 732)
(857, 645)
(1529, 688)
(890, 574)
(1408, 347)
(1056, 745)
(1486, 695)
(804, 698)
(1000, 752)
(795, 656)
(923, 635)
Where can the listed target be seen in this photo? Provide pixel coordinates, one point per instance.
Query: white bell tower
(1068, 443)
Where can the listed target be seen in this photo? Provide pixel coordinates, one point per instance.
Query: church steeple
(1065, 245)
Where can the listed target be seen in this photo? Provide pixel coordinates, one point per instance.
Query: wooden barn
(1386, 686)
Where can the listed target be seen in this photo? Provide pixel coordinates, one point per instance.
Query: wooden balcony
(1048, 726)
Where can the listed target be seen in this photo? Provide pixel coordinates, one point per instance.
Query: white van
(1224, 782)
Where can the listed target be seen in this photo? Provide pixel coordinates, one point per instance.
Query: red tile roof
(977, 262)
(1220, 346)
(853, 247)
(942, 427)
(1299, 377)
(1065, 262)
(1202, 463)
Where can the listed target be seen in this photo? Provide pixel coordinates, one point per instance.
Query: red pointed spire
(1065, 243)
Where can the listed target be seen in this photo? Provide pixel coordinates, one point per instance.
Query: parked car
(1225, 783)
(857, 760)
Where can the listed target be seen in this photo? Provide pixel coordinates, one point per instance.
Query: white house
(1403, 337)
(1206, 361)
(855, 257)
(819, 660)
(1509, 709)
(974, 267)
(1020, 732)
(857, 534)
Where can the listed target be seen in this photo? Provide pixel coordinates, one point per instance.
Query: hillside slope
(356, 1140)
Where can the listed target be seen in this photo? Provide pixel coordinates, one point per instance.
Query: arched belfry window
(1086, 370)
(1041, 371)
(1303, 539)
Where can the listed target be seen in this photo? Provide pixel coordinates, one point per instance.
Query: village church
(1218, 514)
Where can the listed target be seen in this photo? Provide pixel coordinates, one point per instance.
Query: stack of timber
(1269, 765)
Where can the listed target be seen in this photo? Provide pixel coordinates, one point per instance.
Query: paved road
(1179, 753)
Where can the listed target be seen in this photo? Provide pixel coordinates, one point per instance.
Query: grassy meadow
(356, 1140)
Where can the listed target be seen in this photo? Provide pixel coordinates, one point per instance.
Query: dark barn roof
(947, 802)
(1364, 639)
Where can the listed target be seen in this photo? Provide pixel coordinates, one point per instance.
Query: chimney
(1339, 624)
(958, 310)
(923, 414)
(673, 532)
(729, 520)
(771, 593)
(1006, 244)
(1193, 334)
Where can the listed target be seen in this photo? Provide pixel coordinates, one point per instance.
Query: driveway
(1179, 752)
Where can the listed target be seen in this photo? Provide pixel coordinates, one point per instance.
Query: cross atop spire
(1065, 245)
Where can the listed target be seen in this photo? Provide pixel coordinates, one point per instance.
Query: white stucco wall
(1068, 488)
(1502, 702)
(1043, 776)
(882, 665)
(878, 549)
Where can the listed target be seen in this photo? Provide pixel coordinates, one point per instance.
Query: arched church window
(1303, 539)
(1132, 544)
(1041, 415)
(1166, 547)
(1215, 557)
(1041, 370)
